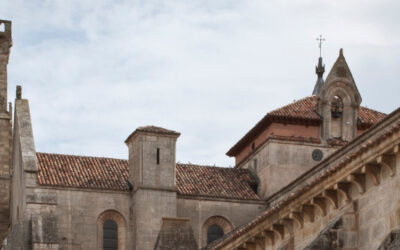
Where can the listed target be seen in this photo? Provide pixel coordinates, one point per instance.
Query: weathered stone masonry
(5, 130)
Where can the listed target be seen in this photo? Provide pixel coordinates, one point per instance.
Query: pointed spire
(319, 70)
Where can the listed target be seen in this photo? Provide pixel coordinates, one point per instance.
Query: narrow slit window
(110, 235)
(158, 155)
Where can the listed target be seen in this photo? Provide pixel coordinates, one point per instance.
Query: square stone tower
(152, 173)
(5, 129)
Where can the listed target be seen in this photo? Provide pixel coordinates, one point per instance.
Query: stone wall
(5, 149)
(200, 210)
(148, 208)
(69, 218)
(5, 130)
(280, 162)
(175, 233)
(281, 130)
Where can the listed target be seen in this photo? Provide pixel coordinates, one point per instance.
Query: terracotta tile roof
(303, 108)
(111, 174)
(306, 109)
(326, 173)
(369, 116)
(302, 111)
(82, 172)
(215, 182)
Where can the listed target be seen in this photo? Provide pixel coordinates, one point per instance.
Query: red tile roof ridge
(294, 102)
(202, 165)
(82, 156)
(152, 128)
(119, 159)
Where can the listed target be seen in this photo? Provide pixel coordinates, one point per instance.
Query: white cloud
(95, 70)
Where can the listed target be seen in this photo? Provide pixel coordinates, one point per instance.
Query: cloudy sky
(95, 70)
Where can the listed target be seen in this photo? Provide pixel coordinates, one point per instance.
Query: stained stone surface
(176, 233)
(392, 241)
(328, 238)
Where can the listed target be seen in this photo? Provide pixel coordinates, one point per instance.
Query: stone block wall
(148, 208)
(69, 218)
(279, 129)
(280, 162)
(5, 130)
(175, 233)
(200, 210)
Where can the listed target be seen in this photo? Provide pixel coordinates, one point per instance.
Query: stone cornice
(207, 198)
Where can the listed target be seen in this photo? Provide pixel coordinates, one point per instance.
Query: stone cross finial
(19, 92)
(320, 40)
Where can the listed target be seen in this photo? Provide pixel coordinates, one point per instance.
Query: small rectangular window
(158, 155)
(253, 146)
(255, 164)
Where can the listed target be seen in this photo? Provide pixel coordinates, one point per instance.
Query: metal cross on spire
(320, 40)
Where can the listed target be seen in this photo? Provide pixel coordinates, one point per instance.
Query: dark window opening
(254, 187)
(110, 235)
(253, 146)
(214, 232)
(337, 106)
(158, 155)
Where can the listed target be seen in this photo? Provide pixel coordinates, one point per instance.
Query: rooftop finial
(320, 69)
(19, 92)
(320, 40)
(341, 52)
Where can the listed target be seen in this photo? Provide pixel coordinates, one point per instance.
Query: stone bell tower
(5, 129)
(338, 103)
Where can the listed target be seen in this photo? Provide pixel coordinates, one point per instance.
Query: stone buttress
(5, 129)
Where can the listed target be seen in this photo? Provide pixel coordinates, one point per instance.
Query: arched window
(336, 120)
(337, 106)
(214, 232)
(110, 235)
(111, 231)
(213, 228)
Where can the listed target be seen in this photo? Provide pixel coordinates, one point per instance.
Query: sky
(95, 70)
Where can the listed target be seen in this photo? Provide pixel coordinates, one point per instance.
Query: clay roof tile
(111, 174)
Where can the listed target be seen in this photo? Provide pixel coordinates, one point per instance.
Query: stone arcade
(319, 173)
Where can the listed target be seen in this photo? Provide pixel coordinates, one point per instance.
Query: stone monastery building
(319, 173)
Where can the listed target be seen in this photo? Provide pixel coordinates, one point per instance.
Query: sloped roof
(112, 174)
(301, 111)
(82, 172)
(215, 182)
(154, 130)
